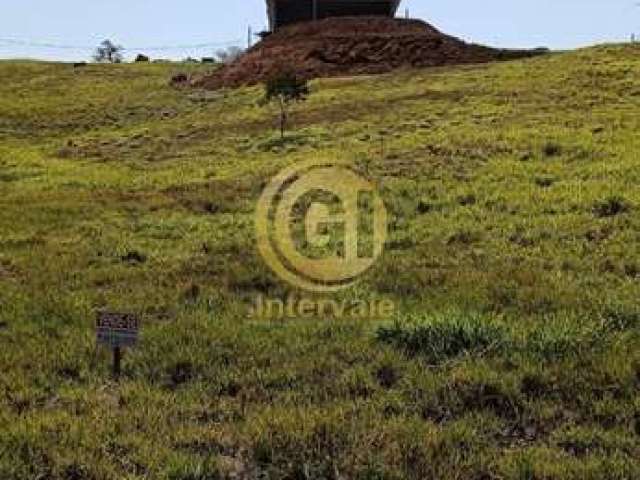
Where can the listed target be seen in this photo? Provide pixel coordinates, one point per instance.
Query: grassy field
(514, 257)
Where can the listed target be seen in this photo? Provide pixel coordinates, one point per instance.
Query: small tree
(285, 87)
(228, 55)
(108, 52)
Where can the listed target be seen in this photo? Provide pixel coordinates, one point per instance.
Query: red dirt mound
(351, 46)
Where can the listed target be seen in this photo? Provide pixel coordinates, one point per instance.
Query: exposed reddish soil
(351, 46)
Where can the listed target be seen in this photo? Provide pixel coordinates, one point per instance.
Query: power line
(10, 42)
(196, 46)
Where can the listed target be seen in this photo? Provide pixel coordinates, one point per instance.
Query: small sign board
(117, 330)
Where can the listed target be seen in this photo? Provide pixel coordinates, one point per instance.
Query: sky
(177, 29)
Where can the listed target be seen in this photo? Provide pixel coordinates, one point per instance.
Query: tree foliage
(285, 87)
(108, 52)
(228, 55)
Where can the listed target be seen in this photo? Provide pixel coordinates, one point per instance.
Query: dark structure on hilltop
(285, 12)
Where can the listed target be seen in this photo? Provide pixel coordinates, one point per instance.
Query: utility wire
(10, 42)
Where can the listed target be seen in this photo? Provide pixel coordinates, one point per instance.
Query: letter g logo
(340, 235)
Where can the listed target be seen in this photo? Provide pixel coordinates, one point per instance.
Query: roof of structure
(271, 4)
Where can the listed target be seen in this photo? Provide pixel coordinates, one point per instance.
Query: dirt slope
(352, 46)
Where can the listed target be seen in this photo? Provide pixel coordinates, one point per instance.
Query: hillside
(513, 253)
(336, 47)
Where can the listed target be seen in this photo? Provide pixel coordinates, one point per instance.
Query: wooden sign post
(117, 330)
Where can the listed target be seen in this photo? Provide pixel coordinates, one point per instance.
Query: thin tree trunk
(283, 119)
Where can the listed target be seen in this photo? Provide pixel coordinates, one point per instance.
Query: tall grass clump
(440, 338)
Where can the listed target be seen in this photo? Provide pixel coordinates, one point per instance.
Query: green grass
(513, 256)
